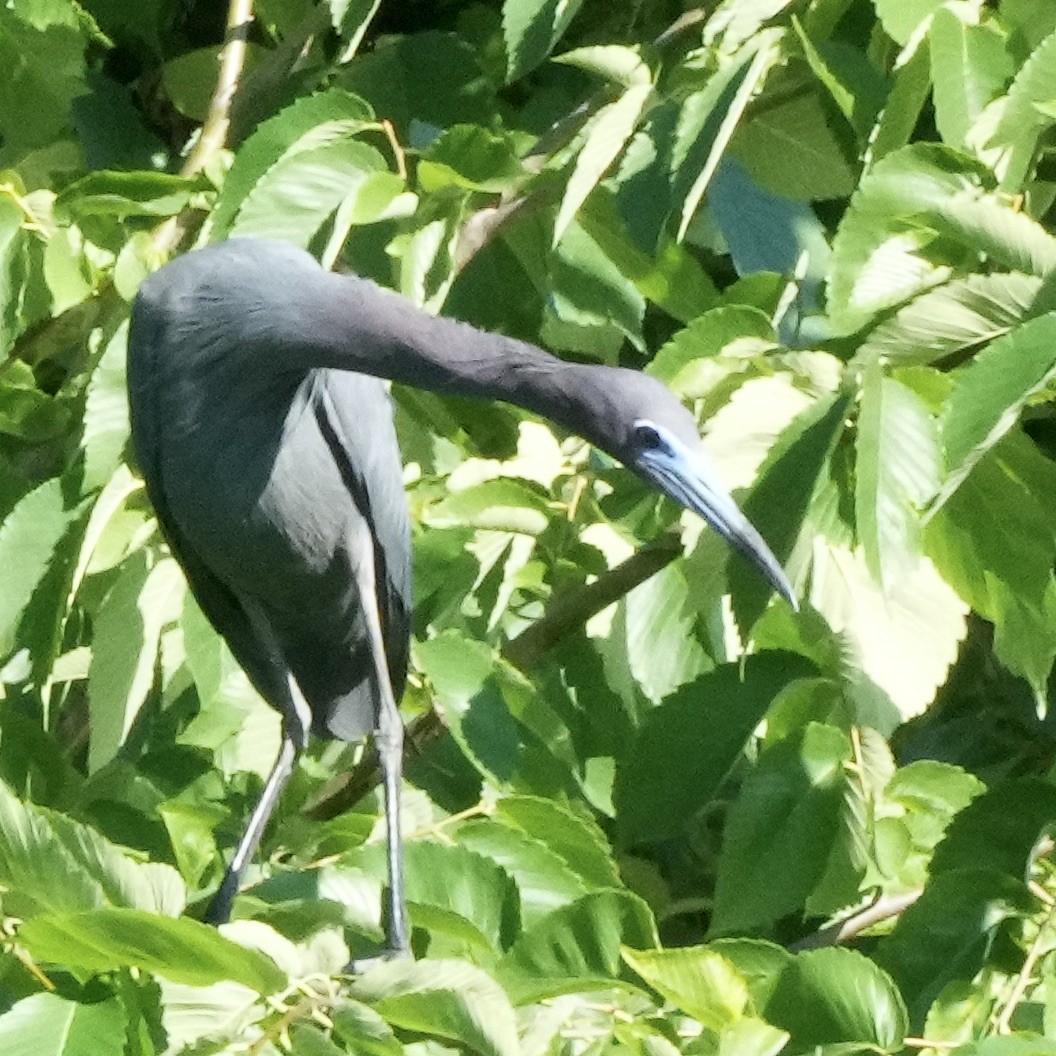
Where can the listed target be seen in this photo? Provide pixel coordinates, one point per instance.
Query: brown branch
(484, 226)
(565, 614)
(213, 134)
(885, 907)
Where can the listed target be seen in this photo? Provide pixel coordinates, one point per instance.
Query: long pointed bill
(684, 475)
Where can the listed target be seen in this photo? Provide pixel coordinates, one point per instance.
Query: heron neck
(388, 339)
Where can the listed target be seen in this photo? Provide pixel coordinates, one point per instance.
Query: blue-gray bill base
(265, 437)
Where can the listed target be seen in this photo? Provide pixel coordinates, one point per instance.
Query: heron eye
(647, 435)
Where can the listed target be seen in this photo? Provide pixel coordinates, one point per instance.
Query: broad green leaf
(970, 67)
(759, 963)
(617, 63)
(455, 890)
(103, 940)
(737, 20)
(12, 268)
(444, 999)
(106, 414)
(778, 503)
(897, 474)
(121, 195)
(1001, 828)
(946, 935)
(48, 1025)
(1025, 117)
(333, 109)
(605, 136)
(697, 980)
(545, 881)
(469, 695)
(130, 620)
(577, 948)
(50, 863)
(190, 79)
(790, 149)
(910, 90)
(531, 28)
(351, 18)
(471, 158)
(826, 997)
(737, 330)
(688, 745)
(879, 256)
(572, 836)
(960, 315)
(503, 504)
(364, 1030)
(902, 17)
(764, 51)
(990, 394)
(295, 197)
(30, 538)
(782, 824)
(663, 647)
(904, 640)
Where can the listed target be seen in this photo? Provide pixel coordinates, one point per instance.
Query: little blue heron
(265, 437)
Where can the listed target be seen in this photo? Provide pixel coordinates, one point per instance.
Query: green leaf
(577, 948)
(790, 149)
(736, 330)
(663, 647)
(121, 195)
(334, 112)
(12, 257)
(783, 823)
(364, 1030)
(605, 136)
(1000, 827)
(901, 17)
(879, 254)
(106, 414)
(970, 67)
(503, 504)
(697, 980)
(1024, 117)
(471, 158)
(960, 315)
(897, 474)
(573, 837)
(293, 200)
(545, 881)
(991, 392)
(444, 999)
(457, 891)
(778, 503)
(130, 619)
(688, 745)
(48, 1025)
(826, 997)
(947, 933)
(185, 951)
(910, 90)
(351, 18)
(764, 51)
(30, 538)
(531, 28)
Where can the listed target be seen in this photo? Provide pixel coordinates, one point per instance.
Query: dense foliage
(651, 810)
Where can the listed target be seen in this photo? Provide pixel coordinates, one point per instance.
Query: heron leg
(296, 721)
(388, 739)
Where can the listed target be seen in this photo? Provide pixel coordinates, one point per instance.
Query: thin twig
(883, 908)
(214, 130)
(1023, 977)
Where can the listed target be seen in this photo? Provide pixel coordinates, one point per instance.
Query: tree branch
(885, 907)
(565, 614)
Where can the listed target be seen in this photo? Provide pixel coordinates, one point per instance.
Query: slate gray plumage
(266, 442)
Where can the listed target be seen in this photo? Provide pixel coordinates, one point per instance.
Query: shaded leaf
(48, 1025)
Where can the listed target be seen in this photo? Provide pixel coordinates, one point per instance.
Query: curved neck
(374, 331)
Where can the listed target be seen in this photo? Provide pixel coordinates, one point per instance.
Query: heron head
(639, 420)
